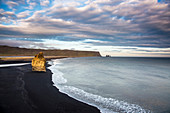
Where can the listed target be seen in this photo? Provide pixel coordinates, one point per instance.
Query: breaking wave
(106, 105)
(9, 65)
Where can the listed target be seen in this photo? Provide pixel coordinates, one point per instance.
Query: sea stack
(38, 63)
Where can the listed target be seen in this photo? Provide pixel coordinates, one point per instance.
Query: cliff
(15, 51)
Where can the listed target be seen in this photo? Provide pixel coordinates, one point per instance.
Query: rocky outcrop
(38, 63)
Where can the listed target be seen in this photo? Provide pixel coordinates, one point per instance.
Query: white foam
(57, 76)
(106, 105)
(9, 65)
(58, 61)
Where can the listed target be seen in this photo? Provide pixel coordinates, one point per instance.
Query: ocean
(116, 84)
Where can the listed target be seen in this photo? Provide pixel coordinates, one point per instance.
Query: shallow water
(116, 84)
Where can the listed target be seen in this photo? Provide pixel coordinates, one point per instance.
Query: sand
(24, 91)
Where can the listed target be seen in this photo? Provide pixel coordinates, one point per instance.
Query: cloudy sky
(114, 27)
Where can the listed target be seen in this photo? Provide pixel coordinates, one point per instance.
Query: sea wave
(57, 76)
(106, 105)
(9, 65)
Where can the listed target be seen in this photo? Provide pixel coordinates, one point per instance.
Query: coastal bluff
(16, 51)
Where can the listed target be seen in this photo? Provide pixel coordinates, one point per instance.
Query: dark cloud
(9, 31)
(153, 50)
(15, 43)
(133, 23)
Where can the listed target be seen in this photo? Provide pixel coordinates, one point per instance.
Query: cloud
(11, 30)
(83, 45)
(12, 4)
(95, 41)
(70, 3)
(23, 14)
(31, 5)
(8, 13)
(44, 2)
(15, 43)
(108, 23)
(7, 17)
(1, 10)
(164, 1)
(19, 1)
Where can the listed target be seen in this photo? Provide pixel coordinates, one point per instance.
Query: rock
(38, 63)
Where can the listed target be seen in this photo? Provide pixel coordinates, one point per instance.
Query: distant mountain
(16, 51)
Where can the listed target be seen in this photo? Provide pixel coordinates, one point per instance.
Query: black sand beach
(24, 91)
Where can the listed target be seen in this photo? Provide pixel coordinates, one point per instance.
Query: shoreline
(22, 90)
(24, 59)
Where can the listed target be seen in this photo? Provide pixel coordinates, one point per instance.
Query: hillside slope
(15, 51)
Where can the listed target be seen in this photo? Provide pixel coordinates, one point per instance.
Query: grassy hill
(16, 51)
